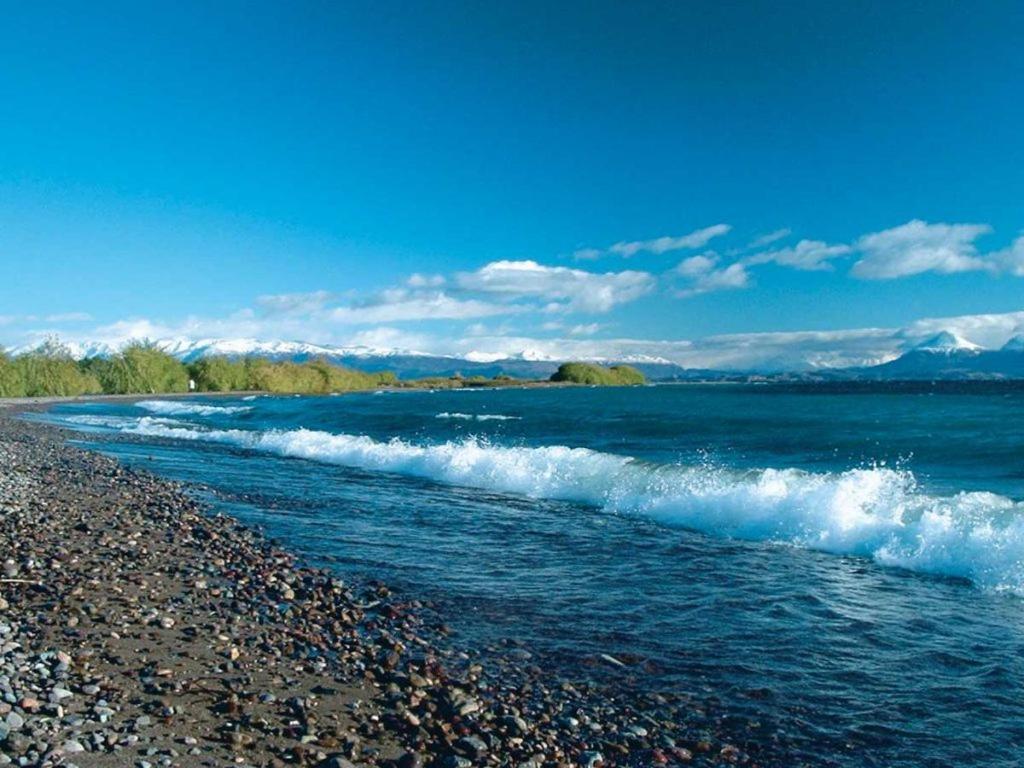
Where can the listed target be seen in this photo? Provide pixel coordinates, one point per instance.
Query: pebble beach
(139, 627)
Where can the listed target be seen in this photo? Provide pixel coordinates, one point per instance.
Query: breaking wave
(176, 408)
(477, 416)
(879, 512)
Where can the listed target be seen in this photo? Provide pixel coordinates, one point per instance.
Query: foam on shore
(184, 408)
(873, 512)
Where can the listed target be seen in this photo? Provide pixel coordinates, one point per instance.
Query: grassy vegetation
(10, 382)
(48, 370)
(314, 377)
(142, 368)
(588, 373)
(139, 368)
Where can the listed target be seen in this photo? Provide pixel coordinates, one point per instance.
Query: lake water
(846, 566)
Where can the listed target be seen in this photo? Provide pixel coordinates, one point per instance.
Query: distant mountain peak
(946, 342)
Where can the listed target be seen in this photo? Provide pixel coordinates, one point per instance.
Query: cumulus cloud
(703, 275)
(696, 266)
(805, 255)
(562, 287)
(658, 245)
(917, 247)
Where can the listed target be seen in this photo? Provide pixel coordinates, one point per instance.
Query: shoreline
(173, 635)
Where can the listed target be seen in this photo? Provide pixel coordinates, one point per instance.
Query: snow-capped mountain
(949, 356)
(947, 343)
(945, 355)
(403, 362)
(189, 349)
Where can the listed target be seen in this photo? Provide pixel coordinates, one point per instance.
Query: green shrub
(588, 373)
(140, 368)
(315, 377)
(220, 374)
(627, 375)
(11, 384)
(51, 371)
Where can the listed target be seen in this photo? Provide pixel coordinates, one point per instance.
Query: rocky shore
(139, 628)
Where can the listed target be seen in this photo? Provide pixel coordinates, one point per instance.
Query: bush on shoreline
(139, 368)
(588, 373)
(143, 368)
(49, 370)
(10, 383)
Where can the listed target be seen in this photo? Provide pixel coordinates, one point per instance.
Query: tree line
(142, 368)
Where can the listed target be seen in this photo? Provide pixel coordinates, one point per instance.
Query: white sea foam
(110, 422)
(873, 512)
(477, 416)
(179, 408)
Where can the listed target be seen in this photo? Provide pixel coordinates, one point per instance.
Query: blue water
(843, 568)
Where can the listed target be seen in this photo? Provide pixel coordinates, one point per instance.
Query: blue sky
(544, 174)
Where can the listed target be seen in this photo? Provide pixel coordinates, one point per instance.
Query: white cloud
(61, 317)
(917, 247)
(586, 254)
(696, 239)
(798, 350)
(805, 350)
(770, 237)
(417, 280)
(989, 330)
(402, 305)
(69, 317)
(705, 276)
(293, 303)
(384, 337)
(1011, 259)
(805, 255)
(563, 288)
(696, 266)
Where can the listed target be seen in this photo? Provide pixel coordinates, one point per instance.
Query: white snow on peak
(946, 342)
(485, 357)
(192, 349)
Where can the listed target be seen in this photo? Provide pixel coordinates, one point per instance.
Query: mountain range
(944, 356)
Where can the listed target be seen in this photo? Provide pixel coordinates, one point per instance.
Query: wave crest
(477, 416)
(873, 512)
(177, 408)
